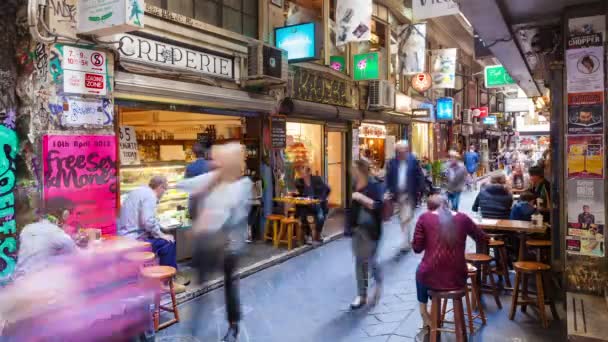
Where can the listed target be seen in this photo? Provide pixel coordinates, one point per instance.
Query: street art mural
(8, 242)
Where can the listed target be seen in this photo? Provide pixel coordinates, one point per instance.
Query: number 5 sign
(129, 153)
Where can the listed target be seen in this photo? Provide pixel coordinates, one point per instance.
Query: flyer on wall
(585, 113)
(585, 239)
(585, 63)
(585, 157)
(586, 201)
(587, 25)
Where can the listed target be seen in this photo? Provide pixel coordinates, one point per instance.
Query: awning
(153, 89)
(318, 111)
(385, 117)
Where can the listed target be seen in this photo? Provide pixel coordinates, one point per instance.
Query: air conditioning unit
(467, 116)
(267, 66)
(381, 95)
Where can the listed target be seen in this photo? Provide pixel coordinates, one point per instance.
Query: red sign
(422, 82)
(94, 81)
(480, 112)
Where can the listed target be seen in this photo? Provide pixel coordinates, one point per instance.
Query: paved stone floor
(306, 299)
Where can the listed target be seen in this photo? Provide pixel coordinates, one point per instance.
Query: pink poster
(80, 173)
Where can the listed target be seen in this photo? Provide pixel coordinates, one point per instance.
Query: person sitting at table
(312, 186)
(441, 234)
(524, 208)
(541, 188)
(138, 221)
(495, 199)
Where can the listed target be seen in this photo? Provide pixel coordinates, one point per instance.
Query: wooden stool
(502, 263)
(291, 213)
(522, 270)
(271, 231)
(289, 228)
(436, 322)
(162, 274)
(472, 300)
(482, 261)
(143, 258)
(542, 247)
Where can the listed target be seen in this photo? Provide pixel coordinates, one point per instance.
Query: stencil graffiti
(41, 62)
(8, 243)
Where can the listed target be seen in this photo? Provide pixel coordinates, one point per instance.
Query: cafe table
(521, 228)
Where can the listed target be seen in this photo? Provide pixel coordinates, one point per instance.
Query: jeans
(364, 249)
(454, 199)
(165, 251)
(316, 212)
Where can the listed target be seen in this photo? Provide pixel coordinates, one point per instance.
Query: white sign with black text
(87, 112)
(168, 56)
(129, 152)
(84, 71)
(424, 9)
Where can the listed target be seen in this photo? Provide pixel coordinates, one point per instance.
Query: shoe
(423, 334)
(358, 303)
(181, 279)
(377, 294)
(232, 334)
(177, 288)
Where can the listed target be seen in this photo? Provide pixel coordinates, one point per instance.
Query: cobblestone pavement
(306, 299)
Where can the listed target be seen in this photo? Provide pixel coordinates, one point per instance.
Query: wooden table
(518, 191)
(297, 200)
(522, 228)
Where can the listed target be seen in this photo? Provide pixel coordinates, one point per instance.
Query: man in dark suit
(404, 180)
(314, 187)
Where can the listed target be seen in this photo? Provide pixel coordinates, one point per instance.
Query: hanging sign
(422, 82)
(298, 40)
(424, 9)
(585, 63)
(421, 113)
(278, 131)
(366, 66)
(585, 157)
(80, 173)
(129, 152)
(445, 108)
(107, 17)
(497, 76)
(354, 20)
(480, 112)
(412, 48)
(443, 68)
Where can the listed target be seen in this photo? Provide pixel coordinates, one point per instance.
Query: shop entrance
(335, 168)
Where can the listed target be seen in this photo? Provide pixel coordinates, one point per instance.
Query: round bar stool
(473, 301)
(523, 269)
(482, 262)
(502, 263)
(143, 258)
(290, 230)
(162, 274)
(436, 319)
(271, 231)
(542, 247)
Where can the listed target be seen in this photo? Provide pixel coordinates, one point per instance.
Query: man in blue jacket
(471, 162)
(404, 180)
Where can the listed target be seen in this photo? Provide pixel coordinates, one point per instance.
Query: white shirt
(402, 176)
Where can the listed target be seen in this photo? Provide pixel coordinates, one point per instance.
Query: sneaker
(358, 303)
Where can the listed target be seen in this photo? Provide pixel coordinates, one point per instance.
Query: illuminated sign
(298, 40)
(445, 108)
(422, 82)
(337, 63)
(366, 66)
(489, 120)
(497, 76)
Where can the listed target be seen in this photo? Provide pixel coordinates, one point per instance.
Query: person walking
(198, 167)
(404, 180)
(471, 162)
(366, 220)
(221, 226)
(441, 235)
(456, 179)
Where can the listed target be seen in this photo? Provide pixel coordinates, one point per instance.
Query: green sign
(337, 63)
(366, 66)
(497, 76)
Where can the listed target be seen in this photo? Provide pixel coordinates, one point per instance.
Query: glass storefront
(304, 148)
(420, 140)
(335, 168)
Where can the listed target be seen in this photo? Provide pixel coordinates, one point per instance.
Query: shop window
(304, 148)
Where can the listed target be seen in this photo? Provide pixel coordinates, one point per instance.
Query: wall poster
(585, 113)
(585, 156)
(80, 173)
(353, 21)
(585, 217)
(443, 68)
(412, 48)
(585, 63)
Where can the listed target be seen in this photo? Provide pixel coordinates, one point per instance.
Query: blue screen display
(297, 40)
(445, 108)
(489, 120)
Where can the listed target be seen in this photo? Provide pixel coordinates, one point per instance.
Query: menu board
(129, 152)
(278, 131)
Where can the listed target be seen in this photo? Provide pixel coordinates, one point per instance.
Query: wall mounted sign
(372, 131)
(315, 86)
(403, 103)
(107, 17)
(80, 172)
(298, 40)
(445, 108)
(421, 113)
(585, 63)
(172, 57)
(422, 82)
(84, 71)
(585, 157)
(519, 104)
(366, 66)
(78, 112)
(443, 68)
(129, 152)
(424, 9)
(480, 112)
(412, 48)
(497, 76)
(278, 131)
(338, 63)
(490, 120)
(354, 18)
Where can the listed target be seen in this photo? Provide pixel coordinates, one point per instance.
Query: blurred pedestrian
(198, 167)
(471, 161)
(494, 201)
(524, 208)
(404, 180)
(366, 220)
(313, 187)
(221, 225)
(441, 234)
(456, 179)
(541, 188)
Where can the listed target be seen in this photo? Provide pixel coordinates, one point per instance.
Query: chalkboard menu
(278, 130)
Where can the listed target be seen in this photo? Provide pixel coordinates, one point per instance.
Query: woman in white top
(221, 225)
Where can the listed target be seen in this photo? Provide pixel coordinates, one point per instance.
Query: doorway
(335, 168)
